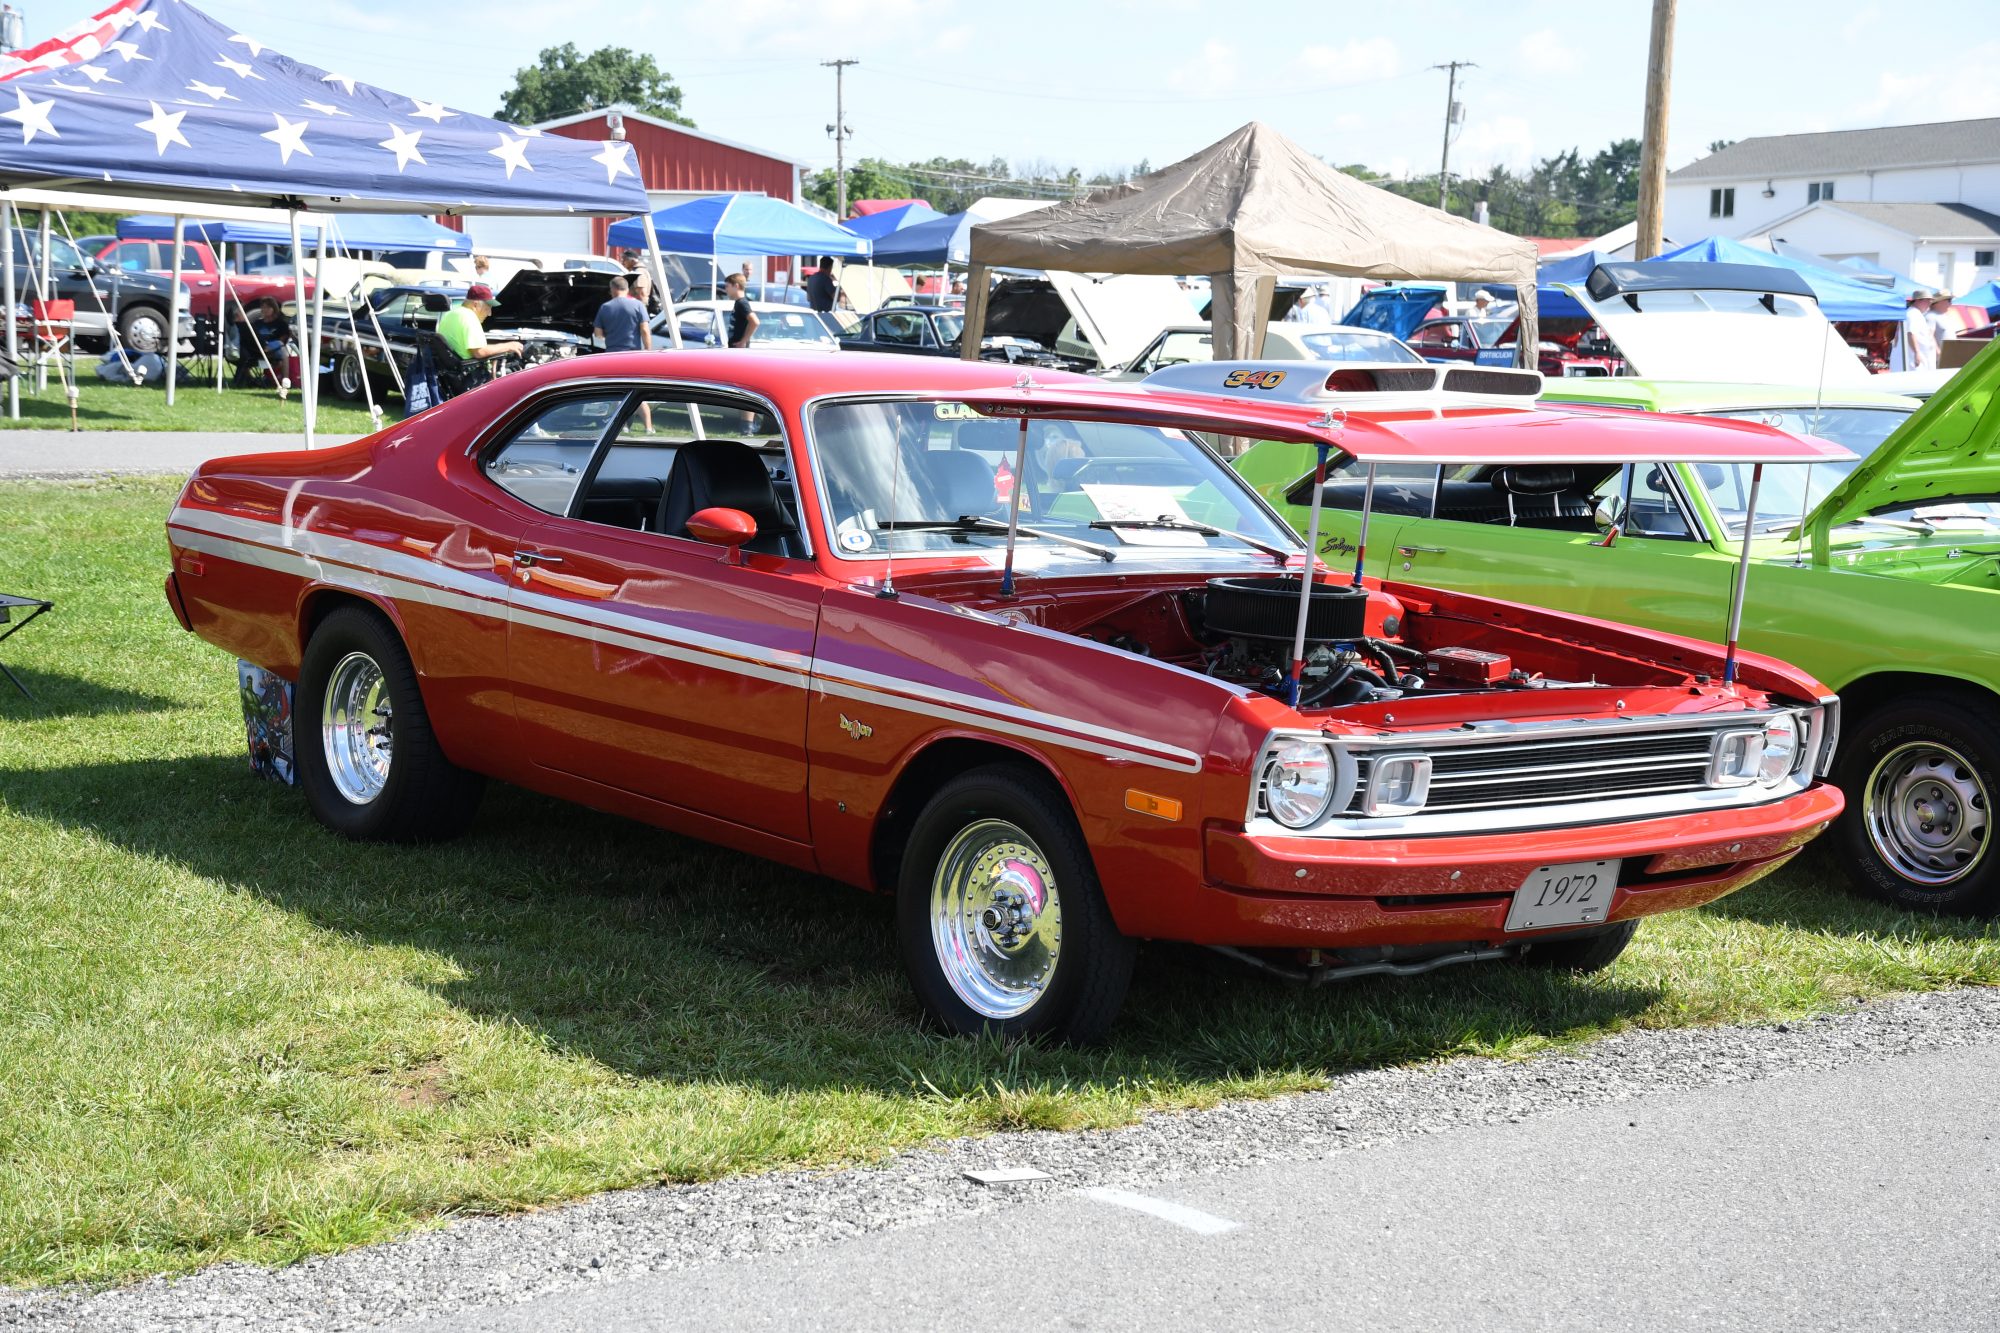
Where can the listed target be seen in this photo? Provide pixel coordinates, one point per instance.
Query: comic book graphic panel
(267, 721)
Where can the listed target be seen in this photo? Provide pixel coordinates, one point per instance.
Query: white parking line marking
(1195, 1220)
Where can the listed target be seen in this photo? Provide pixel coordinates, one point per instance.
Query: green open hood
(1949, 449)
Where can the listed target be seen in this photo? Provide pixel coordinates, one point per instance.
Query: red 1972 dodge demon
(774, 602)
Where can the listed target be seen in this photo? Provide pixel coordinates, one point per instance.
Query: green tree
(564, 81)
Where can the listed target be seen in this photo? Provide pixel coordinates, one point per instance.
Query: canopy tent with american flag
(154, 98)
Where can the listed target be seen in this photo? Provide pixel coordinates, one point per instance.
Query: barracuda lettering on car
(660, 585)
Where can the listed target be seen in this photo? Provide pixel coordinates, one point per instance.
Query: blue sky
(1104, 83)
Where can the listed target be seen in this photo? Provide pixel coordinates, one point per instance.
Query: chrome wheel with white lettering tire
(368, 761)
(1004, 927)
(1920, 778)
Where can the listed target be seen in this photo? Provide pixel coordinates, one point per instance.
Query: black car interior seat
(726, 474)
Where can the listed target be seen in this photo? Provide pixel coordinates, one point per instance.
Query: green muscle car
(1878, 575)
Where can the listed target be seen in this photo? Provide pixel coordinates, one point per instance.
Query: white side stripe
(398, 575)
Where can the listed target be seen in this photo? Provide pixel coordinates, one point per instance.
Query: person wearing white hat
(1916, 347)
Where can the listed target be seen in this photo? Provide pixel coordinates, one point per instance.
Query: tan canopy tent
(1246, 211)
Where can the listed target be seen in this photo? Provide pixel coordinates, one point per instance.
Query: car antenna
(1819, 410)
(1742, 578)
(1024, 384)
(1331, 420)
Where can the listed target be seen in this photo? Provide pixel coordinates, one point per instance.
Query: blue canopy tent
(1841, 298)
(874, 226)
(740, 224)
(943, 240)
(1986, 296)
(226, 119)
(356, 231)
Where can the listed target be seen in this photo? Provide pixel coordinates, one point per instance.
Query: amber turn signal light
(1160, 807)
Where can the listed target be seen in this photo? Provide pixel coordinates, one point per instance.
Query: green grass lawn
(197, 406)
(226, 1034)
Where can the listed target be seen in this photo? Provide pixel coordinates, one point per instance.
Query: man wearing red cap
(462, 327)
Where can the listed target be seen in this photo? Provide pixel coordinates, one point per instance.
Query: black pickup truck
(136, 303)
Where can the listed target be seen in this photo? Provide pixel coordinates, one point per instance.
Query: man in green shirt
(461, 328)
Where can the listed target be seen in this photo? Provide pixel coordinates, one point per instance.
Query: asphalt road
(1855, 1198)
(56, 453)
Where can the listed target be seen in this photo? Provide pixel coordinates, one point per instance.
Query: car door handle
(1413, 550)
(529, 559)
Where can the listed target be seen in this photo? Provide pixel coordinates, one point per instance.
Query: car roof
(1717, 395)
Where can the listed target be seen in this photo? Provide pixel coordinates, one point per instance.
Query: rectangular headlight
(1398, 784)
(1737, 757)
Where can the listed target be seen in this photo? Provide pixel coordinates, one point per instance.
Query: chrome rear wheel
(357, 728)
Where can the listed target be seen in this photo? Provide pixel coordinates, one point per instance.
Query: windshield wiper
(979, 523)
(1166, 524)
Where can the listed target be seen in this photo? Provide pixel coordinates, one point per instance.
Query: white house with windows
(1923, 200)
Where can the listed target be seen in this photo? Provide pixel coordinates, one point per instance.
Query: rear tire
(1587, 953)
(143, 328)
(1920, 776)
(370, 765)
(347, 377)
(1003, 924)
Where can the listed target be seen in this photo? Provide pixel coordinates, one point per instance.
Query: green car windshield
(1789, 490)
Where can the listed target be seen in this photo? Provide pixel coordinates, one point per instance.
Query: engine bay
(1363, 645)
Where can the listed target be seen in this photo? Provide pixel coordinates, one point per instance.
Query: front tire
(1003, 924)
(347, 377)
(1581, 954)
(370, 765)
(1920, 779)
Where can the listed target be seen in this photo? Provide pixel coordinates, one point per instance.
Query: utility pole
(1653, 141)
(840, 132)
(1454, 114)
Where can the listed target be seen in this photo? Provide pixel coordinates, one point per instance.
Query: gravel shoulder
(482, 1262)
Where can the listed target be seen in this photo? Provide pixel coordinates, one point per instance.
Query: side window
(1639, 498)
(1400, 488)
(1432, 335)
(631, 484)
(135, 256)
(543, 460)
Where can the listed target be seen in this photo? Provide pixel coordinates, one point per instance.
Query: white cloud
(1212, 72)
(1925, 95)
(952, 39)
(1494, 140)
(1355, 61)
(1544, 53)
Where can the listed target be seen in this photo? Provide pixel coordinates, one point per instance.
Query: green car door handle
(1414, 550)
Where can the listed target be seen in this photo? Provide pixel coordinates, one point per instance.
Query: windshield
(1356, 345)
(792, 326)
(958, 465)
(1790, 490)
(1490, 331)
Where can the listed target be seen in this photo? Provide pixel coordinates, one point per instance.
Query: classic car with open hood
(1880, 575)
(1021, 651)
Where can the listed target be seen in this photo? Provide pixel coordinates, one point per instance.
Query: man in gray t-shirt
(621, 321)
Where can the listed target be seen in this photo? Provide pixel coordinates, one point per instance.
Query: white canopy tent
(1245, 211)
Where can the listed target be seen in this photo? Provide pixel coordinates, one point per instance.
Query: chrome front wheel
(357, 728)
(996, 918)
(1926, 810)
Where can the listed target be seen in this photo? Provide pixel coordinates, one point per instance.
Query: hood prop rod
(1331, 421)
(1742, 578)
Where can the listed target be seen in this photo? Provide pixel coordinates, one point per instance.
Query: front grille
(1558, 771)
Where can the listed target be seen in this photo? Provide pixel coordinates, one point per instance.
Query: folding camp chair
(8, 605)
(53, 335)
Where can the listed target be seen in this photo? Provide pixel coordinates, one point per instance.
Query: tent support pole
(659, 267)
(8, 296)
(310, 370)
(41, 362)
(174, 309)
(221, 304)
(298, 311)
